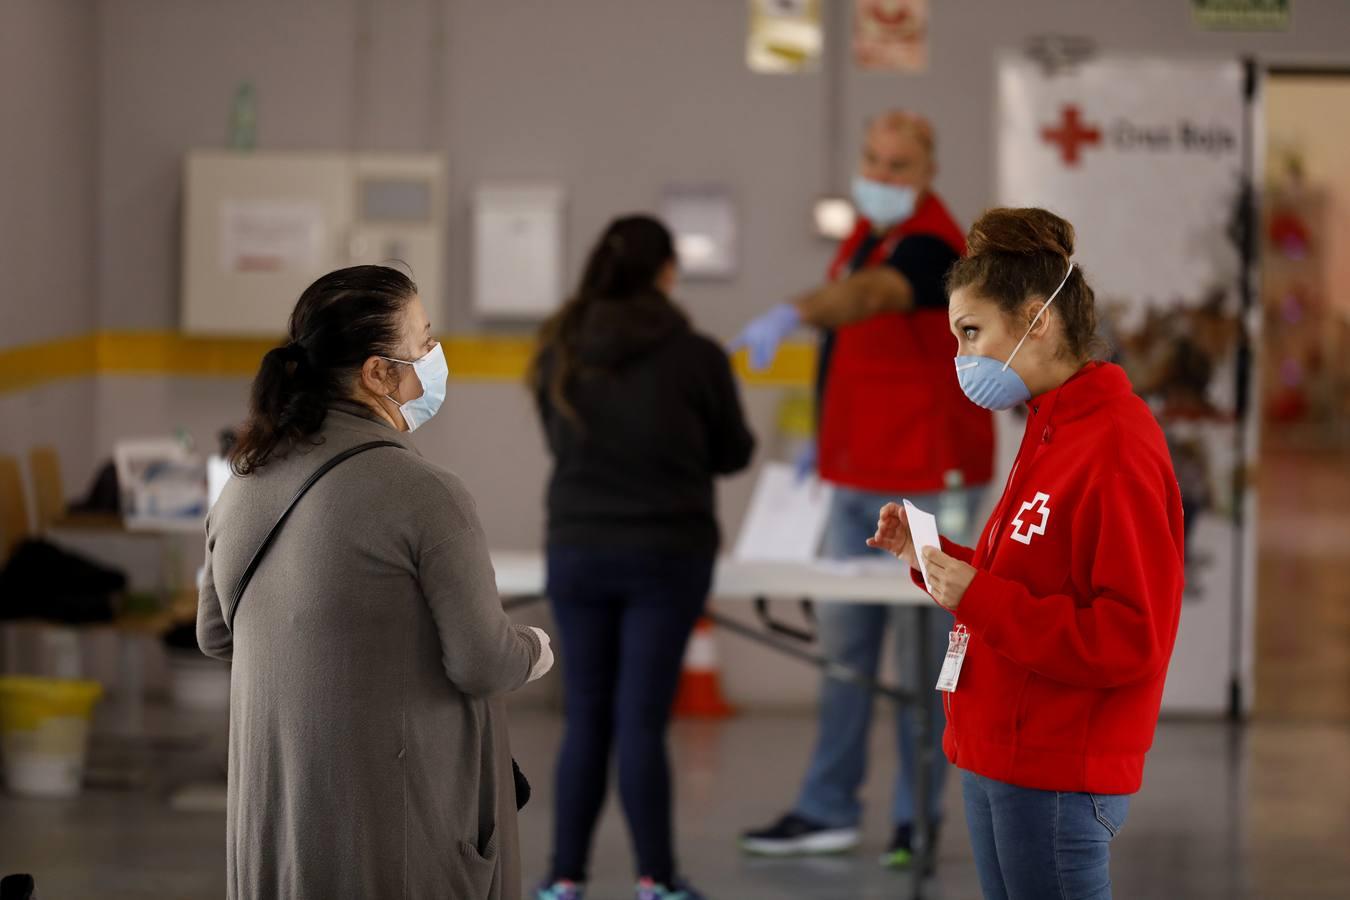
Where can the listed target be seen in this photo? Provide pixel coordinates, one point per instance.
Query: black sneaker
(900, 853)
(794, 835)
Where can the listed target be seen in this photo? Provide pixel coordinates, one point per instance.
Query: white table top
(166, 525)
(521, 574)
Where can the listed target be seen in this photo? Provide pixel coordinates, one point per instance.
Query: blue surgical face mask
(883, 204)
(994, 385)
(433, 373)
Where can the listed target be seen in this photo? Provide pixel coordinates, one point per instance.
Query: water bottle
(244, 118)
(953, 516)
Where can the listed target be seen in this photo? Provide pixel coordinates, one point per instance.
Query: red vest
(893, 417)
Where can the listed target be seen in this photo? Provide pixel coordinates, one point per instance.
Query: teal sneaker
(560, 890)
(650, 890)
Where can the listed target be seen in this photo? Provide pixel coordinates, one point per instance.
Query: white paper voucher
(923, 529)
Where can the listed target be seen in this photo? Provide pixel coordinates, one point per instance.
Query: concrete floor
(1303, 621)
(1255, 812)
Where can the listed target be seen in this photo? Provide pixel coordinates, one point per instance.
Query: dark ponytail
(1014, 255)
(340, 321)
(624, 265)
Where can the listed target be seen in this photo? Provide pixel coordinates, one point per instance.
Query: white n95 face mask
(433, 373)
(990, 385)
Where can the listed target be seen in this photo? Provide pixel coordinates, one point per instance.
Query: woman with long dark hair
(640, 413)
(368, 742)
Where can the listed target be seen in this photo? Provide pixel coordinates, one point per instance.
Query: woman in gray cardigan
(368, 740)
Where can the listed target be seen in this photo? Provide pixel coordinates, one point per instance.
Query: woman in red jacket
(1068, 607)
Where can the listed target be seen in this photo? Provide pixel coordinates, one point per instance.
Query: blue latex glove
(804, 466)
(765, 332)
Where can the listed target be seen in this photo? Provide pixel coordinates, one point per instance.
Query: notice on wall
(518, 242)
(270, 236)
(1242, 15)
(891, 34)
(785, 36)
(703, 218)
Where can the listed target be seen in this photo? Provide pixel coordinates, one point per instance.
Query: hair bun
(1030, 230)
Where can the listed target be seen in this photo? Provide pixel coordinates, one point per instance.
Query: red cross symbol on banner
(1072, 134)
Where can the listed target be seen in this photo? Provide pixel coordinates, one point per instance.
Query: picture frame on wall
(703, 219)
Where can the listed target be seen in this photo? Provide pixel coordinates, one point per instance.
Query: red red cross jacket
(1073, 612)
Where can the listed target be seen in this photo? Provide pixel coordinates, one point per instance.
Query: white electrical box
(517, 250)
(258, 228)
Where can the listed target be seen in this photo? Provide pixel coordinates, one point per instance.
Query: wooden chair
(48, 494)
(14, 525)
(49, 491)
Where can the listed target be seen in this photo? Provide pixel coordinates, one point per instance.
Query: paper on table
(218, 473)
(923, 529)
(858, 566)
(786, 517)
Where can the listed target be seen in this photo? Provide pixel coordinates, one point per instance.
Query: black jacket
(659, 417)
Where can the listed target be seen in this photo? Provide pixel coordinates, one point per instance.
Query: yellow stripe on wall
(35, 364)
(471, 358)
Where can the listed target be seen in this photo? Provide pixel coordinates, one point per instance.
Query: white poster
(270, 236)
(784, 36)
(1145, 158)
(703, 218)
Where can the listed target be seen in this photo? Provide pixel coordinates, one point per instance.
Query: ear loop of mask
(402, 362)
(1038, 315)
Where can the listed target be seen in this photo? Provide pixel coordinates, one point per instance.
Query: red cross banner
(1146, 158)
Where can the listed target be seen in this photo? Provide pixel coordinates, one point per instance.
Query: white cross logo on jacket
(1039, 502)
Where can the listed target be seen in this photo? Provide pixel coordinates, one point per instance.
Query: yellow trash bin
(44, 733)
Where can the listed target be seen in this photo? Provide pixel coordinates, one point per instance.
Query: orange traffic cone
(700, 693)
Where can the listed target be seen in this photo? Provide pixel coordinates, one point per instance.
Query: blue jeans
(852, 634)
(1041, 845)
(624, 617)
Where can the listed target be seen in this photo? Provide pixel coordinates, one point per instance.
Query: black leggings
(624, 617)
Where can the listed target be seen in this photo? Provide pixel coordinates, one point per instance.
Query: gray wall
(48, 147)
(615, 99)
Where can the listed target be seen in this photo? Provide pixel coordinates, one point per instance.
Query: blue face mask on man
(433, 373)
(881, 204)
(992, 385)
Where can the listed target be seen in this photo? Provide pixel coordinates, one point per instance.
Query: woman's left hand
(948, 577)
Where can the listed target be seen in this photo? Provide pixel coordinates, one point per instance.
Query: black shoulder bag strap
(281, 520)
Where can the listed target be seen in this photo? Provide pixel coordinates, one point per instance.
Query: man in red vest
(892, 422)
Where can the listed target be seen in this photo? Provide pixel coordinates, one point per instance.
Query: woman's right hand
(893, 534)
